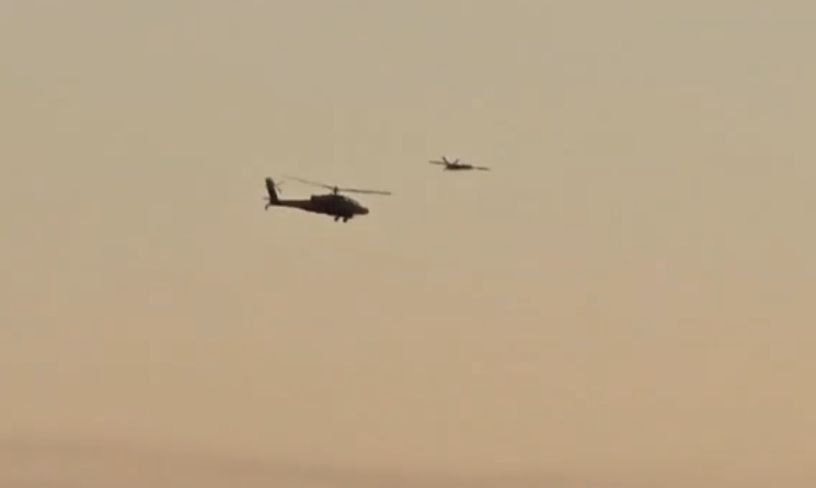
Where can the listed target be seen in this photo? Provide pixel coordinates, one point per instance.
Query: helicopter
(456, 165)
(332, 204)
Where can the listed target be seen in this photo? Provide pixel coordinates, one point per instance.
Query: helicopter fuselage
(334, 205)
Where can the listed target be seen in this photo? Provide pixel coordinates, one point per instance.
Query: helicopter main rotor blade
(372, 192)
(330, 187)
(338, 189)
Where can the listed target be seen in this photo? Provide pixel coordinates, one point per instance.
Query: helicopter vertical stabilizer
(273, 193)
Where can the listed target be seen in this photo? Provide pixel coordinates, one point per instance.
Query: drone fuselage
(455, 165)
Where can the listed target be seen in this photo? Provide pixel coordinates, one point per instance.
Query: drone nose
(364, 211)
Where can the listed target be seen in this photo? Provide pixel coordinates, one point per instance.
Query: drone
(456, 165)
(332, 204)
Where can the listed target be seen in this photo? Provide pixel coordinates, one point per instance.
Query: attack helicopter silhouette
(457, 166)
(332, 204)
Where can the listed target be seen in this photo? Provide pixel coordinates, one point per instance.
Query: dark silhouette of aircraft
(333, 204)
(457, 166)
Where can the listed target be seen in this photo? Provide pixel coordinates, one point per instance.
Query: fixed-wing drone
(456, 165)
(333, 204)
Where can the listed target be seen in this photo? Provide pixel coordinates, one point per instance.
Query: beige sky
(627, 297)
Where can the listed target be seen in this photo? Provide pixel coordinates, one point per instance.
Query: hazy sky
(627, 297)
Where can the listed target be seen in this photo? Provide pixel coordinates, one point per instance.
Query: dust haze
(625, 299)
